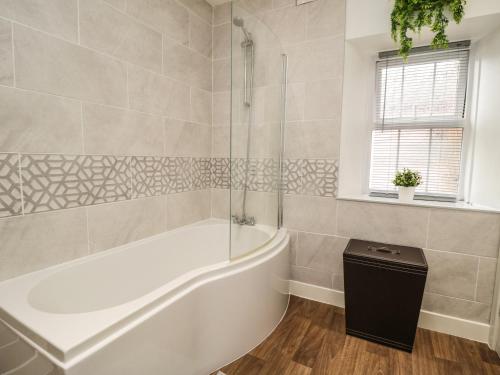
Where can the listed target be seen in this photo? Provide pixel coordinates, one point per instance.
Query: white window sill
(420, 203)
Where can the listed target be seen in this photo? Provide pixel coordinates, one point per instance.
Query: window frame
(464, 123)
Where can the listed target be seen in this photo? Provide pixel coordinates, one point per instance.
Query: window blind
(419, 114)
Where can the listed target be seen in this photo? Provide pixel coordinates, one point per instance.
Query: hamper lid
(386, 253)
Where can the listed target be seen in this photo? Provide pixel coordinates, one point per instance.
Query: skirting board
(451, 325)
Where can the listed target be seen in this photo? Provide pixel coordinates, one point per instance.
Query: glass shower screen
(257, 118)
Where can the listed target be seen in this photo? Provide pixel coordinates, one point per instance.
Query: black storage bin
(384, 285)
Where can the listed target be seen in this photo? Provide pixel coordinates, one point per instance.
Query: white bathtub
(168, 304)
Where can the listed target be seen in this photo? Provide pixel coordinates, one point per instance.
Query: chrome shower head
(238, 22)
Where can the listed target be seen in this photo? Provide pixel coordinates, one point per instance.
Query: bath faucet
(243, 220)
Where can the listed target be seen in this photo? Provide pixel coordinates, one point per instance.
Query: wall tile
(14, 356)
(451, 274)
(52, 182)
(118, 4)
(220, 203)
(33, 242)
(33, 122)
(310, 276)
(292, 176)
(222, 75)
(115, 131)
(220, 173)
(325, 18)
(321, 252)
(221, 108)
(486, 280)
(6, 63)
(288, 24)
(199, 7)
(201, 106)
(112, 225)
(10, 189)
(184, 64)
(456, 307)
(201, 170)
(187, 139)
(200, 36)
(403, 225)
(465, 232)
(166, 16)
(50, 65)
(323, 99)
(310, 214)
(222, 41)
(313, 139)
(222, 13)
(178, 174)
(58, 17)
(220, 141)
(187, 208)
(153, 93)
(107, 30)
(295, 101)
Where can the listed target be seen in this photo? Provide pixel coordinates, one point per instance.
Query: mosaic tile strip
(220, 173)
(201, 171)
(52, 182)
(319, 177)
(178, 174)
(147, 176)
(292, 176)
(10, 189)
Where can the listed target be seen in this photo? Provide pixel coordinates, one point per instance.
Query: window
(419, 120)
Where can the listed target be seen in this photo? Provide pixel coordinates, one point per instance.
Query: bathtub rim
(65, 357)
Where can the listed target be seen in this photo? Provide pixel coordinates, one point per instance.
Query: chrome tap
(243, 220)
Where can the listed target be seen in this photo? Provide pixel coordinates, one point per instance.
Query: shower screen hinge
(301, 2)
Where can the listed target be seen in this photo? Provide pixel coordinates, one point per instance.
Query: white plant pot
(406, 193)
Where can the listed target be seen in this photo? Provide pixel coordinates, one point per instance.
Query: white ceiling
(217, 2)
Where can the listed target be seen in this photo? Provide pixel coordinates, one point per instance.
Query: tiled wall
(105, 119)
(461, 247)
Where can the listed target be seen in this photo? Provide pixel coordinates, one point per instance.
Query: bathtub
(167, 304)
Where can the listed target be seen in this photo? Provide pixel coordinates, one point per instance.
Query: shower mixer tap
(243, 220)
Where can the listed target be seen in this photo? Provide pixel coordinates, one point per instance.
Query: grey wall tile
(310, 214)
(221, 108)
(313, 139)
(166, 16)
(58, 17)
(310, 276)
(201, 170)
(118, 4)
(460, 308)
(107, 30)
(187, 139)
(15, 355)
(114, 131)
(10, 188)
(51, 65)
(200, 35)
(486, 280)
(220, 141)
(178, 174)
(153, 93)
(52, 182)
(220, 203)
(201, 106)
(222, 13)
(323, 99)
(199, 7)
(6, 63)
(33, 123)
(187, 208)
(451, 274)
(465, 232)
(325, 18)
(222, 41)
(288, 24)
(34, 242)
(388, 223)
(321, 252)
(220, 173)
(112, 225)
(222, 75)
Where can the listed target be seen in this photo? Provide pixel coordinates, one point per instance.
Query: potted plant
(407, 181)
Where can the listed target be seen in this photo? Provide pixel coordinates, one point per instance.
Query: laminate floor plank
(311, 340)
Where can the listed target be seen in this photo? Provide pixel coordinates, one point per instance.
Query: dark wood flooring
(311, 340)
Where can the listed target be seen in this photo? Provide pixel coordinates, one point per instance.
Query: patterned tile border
(45, 182)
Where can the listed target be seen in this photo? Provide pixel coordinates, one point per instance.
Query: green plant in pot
(407, 181)
(412, 15)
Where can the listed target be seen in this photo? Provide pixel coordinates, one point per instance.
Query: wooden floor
(311, 340)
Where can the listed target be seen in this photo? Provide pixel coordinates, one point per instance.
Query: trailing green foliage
(407, 178)
(414, 14)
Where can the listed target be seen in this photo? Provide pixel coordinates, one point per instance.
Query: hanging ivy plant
(412, 15)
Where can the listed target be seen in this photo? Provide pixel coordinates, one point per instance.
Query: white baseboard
(451, 325)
